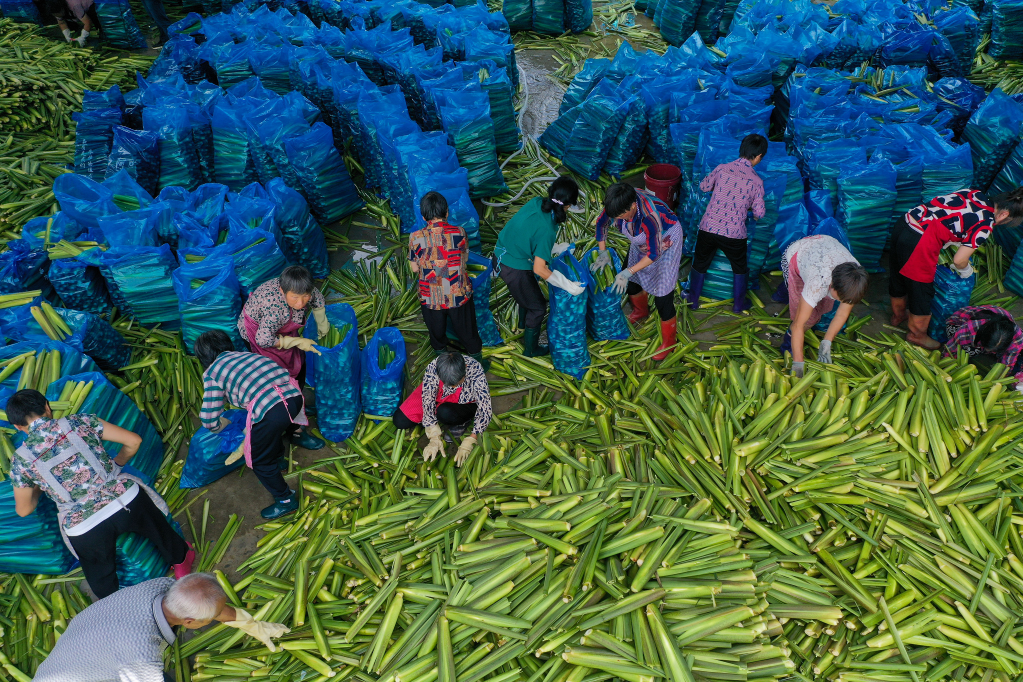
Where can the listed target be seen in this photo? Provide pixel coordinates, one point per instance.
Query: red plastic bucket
(664, 181)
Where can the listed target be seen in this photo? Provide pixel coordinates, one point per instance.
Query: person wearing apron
(272, 322)
(454, 391)
(656, 249)
(524, 250)
(274, 403)
(965, 218)
(96, 501)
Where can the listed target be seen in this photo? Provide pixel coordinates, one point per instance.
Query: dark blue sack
(90, 334)
(22, 269)
(138, 153)
(481, 287)
(604, 316)
(382, 386)
(142, 277)
(83, 200)
(94, 136)
(302, 239)
(993, 131)
(324, 177)
(80, 285)
(338, 379)
(951, 292)
(583, 83)
(207, 452)
(209, 298)
(566, 325)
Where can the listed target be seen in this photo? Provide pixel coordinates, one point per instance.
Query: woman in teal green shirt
(524, 248)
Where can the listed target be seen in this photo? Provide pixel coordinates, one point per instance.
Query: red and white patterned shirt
(967, 214)
(442, 253)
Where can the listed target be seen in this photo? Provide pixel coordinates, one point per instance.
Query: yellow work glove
(322, 326)
(436, 444)
(299, 342)
(261, 630)
(238, 453)
(464, 449)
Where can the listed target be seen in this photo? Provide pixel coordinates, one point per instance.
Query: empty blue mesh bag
(566, 325)
(383, 372)
(209, 298)
(338, 379)
(207, 452)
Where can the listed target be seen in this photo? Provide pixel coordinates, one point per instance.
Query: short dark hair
(296, 280)
(752, 146)
(618, 199)
(849, 280)
(26, 403)
(1012, 202)
(563, 192)
(211, 344)
(451, 368)
(433, 206)
(995, 335)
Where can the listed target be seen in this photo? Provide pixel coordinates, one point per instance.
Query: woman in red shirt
(966, 217)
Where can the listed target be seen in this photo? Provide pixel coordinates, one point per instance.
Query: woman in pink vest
(454, 392)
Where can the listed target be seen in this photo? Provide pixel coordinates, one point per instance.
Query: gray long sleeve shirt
(120, 638)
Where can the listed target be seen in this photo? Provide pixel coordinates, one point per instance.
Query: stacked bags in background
(549, 16)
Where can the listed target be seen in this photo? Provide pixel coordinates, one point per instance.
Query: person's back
(736, 189)
(529, 234)
(120, 637)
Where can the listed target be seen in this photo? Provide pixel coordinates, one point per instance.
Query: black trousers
(463, 321)
(451, 414)
(734, 249)
(918, 295)
(524, 288)
(268, 446)
(97, 548)
(665, 304)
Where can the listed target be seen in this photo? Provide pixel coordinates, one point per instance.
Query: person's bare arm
(962, 257)
(26, 500)
(129, 440)
(798, 325)
(540, 268)
(642, 264)
(226, 614)
(841, 315)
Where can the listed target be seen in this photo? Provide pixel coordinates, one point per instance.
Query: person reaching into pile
(524, 250)
(454, 392)
(96, 501)
(656, 251)
(989, 335)
(819, 271)
(965, 218)
(272, 322)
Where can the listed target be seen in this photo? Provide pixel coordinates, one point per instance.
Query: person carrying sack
(274, 403)
(965, 218)
(96, 501)
(524, 250)
(654, 255)
(454, 392)
(272, 322)
(439, 254)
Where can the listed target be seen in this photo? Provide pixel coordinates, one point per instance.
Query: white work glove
(965, 272)
(298, 342)
(622, 281)
(603, 258)
(259, 629)
(238, 453)
(436, 444)
(224, 421)
(1019, 387)
(560, 248)
(797, 369)
(824, 352)
(464, 449)
(560, 281)
(322, 326)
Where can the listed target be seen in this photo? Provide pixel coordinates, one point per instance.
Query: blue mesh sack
(466, 119)
(604, 317)
(72, 361)
(21, 11)
(993, 132)
(83, 200)
(948, 172)
(479, 274)
(179, 156)
(578, 15)
(93, 138)
(232, 163)
(136, 228)
(338, 378)
(22, 269)
(677, 20)
(866, 197)
(80, 285)
(209, 298)
(1014, 275)
(142, 277)
(519, 14)
(90, 334)
(584, 82)
(555, 137)
(118, 24)
(31, 544)
(1009, 178)
(383, 372)
(1006, 29)
(207, 452)
(595, 131)
(322, 173)
(206, 202)
(951, 292)
(257, 257)
(566, 326)
(136, 152)
(302, 239)
(37, 232)
(631, 139)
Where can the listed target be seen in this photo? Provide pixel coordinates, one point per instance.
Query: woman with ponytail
(524, 250)
(966, 218)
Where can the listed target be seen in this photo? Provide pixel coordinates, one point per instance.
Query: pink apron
(413, 405)
(299, 419)
(290, 359)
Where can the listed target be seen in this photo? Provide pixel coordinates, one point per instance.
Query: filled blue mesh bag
(207, 452)
(209, 298)
(566, 325)
(338, 378)
(383, 372)
(604, 317)
(951, 292)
